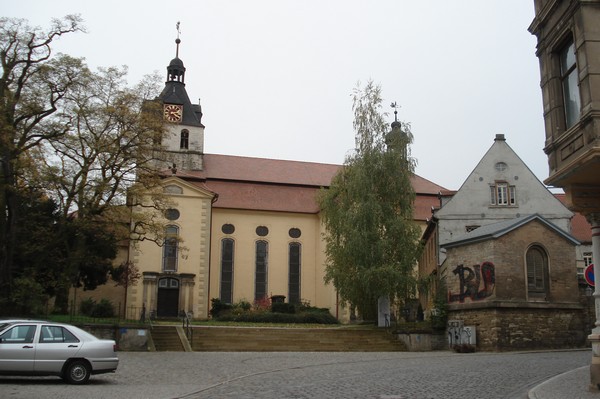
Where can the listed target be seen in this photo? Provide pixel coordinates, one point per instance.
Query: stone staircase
(166, 338)
(271, 339)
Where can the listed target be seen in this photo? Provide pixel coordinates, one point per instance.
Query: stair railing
(187, 325)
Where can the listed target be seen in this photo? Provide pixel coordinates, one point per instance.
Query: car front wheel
(77, 372)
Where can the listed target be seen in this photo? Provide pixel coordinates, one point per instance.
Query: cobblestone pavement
(385, 375)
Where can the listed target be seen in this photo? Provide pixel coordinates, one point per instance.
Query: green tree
(32, 85)
(371, 239)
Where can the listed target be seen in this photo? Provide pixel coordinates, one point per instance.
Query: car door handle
(27, 347)
(72, 346)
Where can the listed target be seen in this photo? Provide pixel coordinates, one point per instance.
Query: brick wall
(506, 316)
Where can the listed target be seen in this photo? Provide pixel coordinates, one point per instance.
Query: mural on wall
(470, 280)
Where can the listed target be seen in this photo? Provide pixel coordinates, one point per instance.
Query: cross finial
(395, 106)
(177, 41)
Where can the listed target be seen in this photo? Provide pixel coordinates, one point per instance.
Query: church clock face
(173, 113)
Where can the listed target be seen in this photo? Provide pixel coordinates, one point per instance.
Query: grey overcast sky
(275, 76)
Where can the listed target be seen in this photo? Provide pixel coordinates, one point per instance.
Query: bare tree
(32, 86)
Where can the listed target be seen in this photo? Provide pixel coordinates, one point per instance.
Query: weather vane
(177, 41)
(395, 106)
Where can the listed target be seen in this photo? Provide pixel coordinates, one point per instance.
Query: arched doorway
(168, 297)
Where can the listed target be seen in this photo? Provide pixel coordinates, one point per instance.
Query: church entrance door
(168, 297)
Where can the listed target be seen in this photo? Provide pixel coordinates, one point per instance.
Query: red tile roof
(280, 185)
(264, 197)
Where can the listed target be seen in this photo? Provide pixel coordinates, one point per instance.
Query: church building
(240, 228)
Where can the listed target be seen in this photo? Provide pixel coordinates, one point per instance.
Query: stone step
(294, 339)
(166, 338)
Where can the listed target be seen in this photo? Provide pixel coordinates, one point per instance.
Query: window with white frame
(503, 194)
(587, 258)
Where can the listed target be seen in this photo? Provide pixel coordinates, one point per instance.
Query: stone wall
(513, 327)
(421, 342)
(127, 338)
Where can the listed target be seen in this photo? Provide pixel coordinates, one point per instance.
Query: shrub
(281, 307)
(263, 303)
(86, 307)
(104, 308)
(91, 308)
(272, 317)
(244, 305)
(218, 307)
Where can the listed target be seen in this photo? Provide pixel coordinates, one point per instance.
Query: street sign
(589, 275)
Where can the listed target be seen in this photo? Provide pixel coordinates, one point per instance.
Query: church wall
(192, 260)
(312, 288)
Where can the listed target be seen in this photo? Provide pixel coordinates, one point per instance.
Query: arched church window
(537, 270)
(294, 252)
(226, 294)
(170, 249)
(260, 275)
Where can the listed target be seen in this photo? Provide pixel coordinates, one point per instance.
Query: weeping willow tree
(371, 239)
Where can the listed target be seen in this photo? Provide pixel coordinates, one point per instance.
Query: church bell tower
(184, 140)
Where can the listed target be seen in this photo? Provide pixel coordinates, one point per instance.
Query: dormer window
(503, 194)
(184, 143)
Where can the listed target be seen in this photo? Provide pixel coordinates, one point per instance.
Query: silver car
(32, 347)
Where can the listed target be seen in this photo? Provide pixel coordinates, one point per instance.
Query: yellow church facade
(239, 228)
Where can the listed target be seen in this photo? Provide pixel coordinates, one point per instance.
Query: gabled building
(240, 228)
(503, 247)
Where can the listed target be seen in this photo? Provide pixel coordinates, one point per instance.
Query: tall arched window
(537, 270)
(226, 294)
(170, 249)
(185, 139)
(260, 275)
(294, 272)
